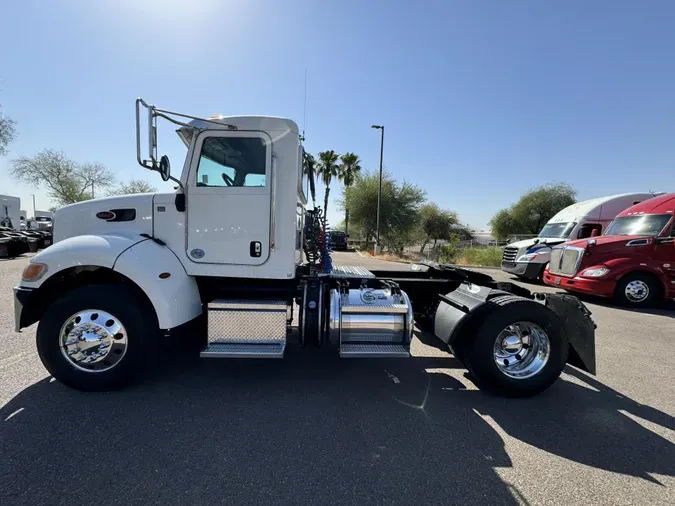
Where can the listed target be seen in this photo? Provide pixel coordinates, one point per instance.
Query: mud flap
(579, 326)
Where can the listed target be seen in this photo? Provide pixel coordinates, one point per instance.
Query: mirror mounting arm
(152, 163)
(153, 113)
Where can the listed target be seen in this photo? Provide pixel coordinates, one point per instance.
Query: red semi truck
(633, 263)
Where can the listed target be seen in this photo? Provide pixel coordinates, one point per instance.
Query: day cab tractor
(220, 264)
(633, 263)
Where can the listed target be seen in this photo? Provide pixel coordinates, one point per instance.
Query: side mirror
(164, 168)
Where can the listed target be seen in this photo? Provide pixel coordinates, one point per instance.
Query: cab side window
(589, 230)
(232, 161)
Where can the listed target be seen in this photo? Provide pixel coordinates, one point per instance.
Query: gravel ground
(316, 430)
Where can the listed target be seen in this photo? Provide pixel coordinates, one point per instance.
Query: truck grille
(510, 254)
(565, 260)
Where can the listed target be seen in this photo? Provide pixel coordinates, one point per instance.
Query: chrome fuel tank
(370, 315)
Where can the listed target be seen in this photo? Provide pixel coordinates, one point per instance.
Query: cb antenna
(304, 108)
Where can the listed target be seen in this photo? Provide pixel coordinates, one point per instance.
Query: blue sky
(481, 99)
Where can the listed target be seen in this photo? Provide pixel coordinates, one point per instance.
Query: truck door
(664, 256)
(229, 198)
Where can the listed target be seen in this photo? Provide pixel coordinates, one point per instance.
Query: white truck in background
(10, 212)
(528, 258)
(43, 220)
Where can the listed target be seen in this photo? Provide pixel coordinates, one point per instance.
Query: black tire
(652, 283)
(131, 309)
(478, 351)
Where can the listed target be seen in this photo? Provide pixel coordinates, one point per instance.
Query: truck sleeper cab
(633, 263)
(527, 258)
(219, 266)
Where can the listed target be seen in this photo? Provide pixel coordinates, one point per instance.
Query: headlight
(527, 258)
(595, 273)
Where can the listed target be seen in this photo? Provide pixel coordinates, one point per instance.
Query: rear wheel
(519, 350)
(637, 289)
(97, 337)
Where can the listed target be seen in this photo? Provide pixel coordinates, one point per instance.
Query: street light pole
(379, 188)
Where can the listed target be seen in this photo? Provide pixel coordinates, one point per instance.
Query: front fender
(98, 250)
(175, 297)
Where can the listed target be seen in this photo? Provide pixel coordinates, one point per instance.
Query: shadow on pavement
(531, 283)
(309, 429)
(663, 308)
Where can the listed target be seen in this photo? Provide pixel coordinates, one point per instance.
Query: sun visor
(187, 133)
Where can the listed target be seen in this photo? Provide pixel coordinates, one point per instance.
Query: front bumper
(21, 296)
(590, 286)
(525, 269)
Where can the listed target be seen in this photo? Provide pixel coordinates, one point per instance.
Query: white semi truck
(218, 266)
(528, 258)
(10, 212)
(43, 220)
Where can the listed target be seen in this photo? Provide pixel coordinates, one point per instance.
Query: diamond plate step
(244, 350)
(374, 350)
(349, 271)
(372, 337)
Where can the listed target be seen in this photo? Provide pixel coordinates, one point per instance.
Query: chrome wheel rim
(637, 290)
(93, 340)
(522, 350)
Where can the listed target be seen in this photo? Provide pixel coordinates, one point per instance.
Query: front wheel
(520, 349)
(97, 337)
(637, 289)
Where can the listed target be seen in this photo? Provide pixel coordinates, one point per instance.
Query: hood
(613, 244)
(529, 243)
(125, 215)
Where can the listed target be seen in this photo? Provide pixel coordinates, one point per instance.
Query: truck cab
(233, 265)
(633, 263)
(528, 258)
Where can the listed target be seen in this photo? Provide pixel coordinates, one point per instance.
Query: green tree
(533, 210)
(399, 208)
(448, 252)
(309, 169)
(327, 169)
(7, 133)
(132, 187)
(66, 182)
(503, 224)
(349, 170)
(436, 223)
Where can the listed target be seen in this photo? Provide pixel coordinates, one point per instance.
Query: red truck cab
(633, 263)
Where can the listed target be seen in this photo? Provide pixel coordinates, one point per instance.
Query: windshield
(646, 224)
(557, 230)
(42, 218)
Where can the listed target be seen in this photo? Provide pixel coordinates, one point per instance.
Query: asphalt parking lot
(313, 429)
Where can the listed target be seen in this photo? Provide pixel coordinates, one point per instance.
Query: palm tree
(327, 169)
(349, 171)
(309, 169)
